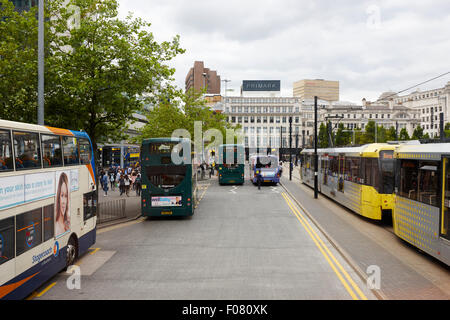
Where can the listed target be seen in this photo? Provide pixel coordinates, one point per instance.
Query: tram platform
(406, 273)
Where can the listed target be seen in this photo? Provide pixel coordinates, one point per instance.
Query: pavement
(406, 273)
(132, 206)
(241, 243)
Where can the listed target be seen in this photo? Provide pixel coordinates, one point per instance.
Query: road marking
(32, 296)
(45, 290)
(322, 247)
(233, 189)
(122, 225)
(201, 197)
(95, 250)
(275, 190)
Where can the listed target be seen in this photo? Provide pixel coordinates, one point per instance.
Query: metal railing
(111, 210)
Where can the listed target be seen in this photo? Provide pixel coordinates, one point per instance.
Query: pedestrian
(202, 167)
(133, 179)
(138, 183)
(105, 184)
(112, 180)
(127, 183)
(122, 184)
(259, 178)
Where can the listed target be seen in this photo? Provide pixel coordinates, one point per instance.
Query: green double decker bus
(168, 188)
(231, 164)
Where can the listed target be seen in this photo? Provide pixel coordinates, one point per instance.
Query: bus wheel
(71, 252)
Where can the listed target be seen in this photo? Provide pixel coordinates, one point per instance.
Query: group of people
(205, 167)
(125, 179)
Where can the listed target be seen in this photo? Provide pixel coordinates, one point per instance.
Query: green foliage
(418, 133)
(96, 73)
(323, 136)
(18, 64)
(343, 138)
(404, 135)
(391, 134)
(182, 113)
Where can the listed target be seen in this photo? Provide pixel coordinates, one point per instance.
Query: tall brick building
(199, 77)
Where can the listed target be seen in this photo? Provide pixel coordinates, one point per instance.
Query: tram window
(28, 230)
(70, 151)
(409, 179)
(446, 205)
(6, 240)
(375, 174)
(49, 229)
(85, 151)
(27, 150)
(387, 163)
(428, 182)
(367, 171)
(51, 150)
(6, 162)
(354, 164)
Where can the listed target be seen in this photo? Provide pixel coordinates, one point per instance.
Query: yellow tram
(422, 201)
(360, 178)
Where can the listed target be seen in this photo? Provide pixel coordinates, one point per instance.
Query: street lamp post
(40, 115)
(290, 148)
(316, 162)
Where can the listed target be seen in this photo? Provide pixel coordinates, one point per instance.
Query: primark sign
(261, 85)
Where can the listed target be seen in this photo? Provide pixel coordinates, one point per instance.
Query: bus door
(445, 232)
(341, 171)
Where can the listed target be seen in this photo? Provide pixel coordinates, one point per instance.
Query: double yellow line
(351, 287)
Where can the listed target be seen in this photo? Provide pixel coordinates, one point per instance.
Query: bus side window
(85, 151)
(27, 150)
(90, 205)
(7, 239)
(70, 151)
(6, 162)
(51, 150)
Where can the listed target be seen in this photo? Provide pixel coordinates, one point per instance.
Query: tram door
(445, 232)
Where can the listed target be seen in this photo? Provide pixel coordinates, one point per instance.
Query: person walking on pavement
(105, 183)
(121, 184)
(112, 180)
(127, 183)
(138, 183)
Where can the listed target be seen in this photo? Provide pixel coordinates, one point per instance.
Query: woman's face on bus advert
(63, 198)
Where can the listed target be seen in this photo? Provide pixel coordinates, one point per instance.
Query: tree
(96, 73)
(391, 134)
(404, 135)
(323, 136)
(343, 138)
(182, 113)
(418, 133)
(111, 63)
(447, 130)
(18, 63)
(369, 134)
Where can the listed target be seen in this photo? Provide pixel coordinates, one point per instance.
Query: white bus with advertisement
(48, 202)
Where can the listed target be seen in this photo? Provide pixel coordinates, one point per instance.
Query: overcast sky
(368, 46)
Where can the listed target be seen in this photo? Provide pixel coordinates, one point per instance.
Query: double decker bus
(265, 165)
(48, 204)
(231, 164)
(168, 188)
